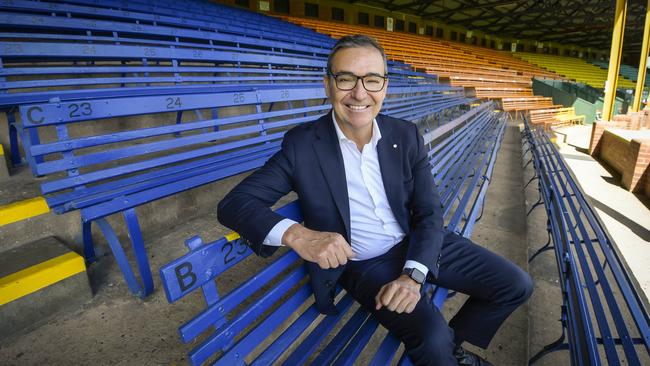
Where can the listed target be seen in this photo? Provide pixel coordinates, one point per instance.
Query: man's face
(355, 109)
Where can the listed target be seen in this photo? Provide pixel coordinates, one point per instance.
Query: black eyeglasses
(347, 81)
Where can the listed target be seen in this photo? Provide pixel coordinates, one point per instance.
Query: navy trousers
(496, 287)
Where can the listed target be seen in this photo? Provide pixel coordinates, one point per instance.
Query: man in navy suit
(373, 220)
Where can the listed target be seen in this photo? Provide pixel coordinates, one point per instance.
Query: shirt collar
(376, 134)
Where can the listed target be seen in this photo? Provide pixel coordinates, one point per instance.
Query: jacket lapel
(389, 153)
(327, 150)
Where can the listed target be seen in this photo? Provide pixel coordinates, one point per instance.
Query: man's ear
(326, 81)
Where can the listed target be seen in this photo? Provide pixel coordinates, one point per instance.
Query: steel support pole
(614, 59)
(640, 80)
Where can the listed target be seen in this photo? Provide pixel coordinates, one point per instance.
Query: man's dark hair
(354, 41)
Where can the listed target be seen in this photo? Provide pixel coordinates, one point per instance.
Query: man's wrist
(415, 274)
(291, 234)
(410, 280)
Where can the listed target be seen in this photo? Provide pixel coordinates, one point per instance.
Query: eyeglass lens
(349, 82)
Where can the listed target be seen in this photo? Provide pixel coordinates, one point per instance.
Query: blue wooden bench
(114, 70)
(222, 19)
(108, 171)
(604, 319)
(273, 308)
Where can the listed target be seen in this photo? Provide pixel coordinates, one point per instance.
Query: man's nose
(359, 92)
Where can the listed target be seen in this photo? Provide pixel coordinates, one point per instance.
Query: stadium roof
(585, 23)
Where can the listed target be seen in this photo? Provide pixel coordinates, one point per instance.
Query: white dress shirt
(373, 227)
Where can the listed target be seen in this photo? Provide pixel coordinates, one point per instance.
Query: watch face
(417, 276)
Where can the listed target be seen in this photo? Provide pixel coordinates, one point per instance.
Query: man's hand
(329, 250)
(399, 296)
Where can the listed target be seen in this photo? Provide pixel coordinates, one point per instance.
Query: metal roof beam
(465, 8)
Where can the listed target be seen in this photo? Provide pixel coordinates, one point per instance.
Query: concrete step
(4, 170)
(38, 281)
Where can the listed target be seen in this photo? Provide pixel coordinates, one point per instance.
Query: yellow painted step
(22, 210)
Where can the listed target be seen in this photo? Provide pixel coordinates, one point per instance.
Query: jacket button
(329, 284)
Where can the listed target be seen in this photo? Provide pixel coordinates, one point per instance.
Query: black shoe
(465, 357)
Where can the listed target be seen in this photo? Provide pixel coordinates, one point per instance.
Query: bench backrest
(90, 144)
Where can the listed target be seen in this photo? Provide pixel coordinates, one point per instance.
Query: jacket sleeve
(247, 208)
(426, 231)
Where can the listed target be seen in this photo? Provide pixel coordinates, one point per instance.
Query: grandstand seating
(627, 71)
(554, 117)
(574, 69)
(504, 59)
(216, 103)
(486, 74)
(525, 104)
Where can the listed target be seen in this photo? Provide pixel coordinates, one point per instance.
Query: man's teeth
(358, 107)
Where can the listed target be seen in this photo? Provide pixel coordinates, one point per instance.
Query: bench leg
(558, 345)
(13, 140)
(539, 202)
(139, 251)
(29, 137)
(545, 247)
(89, 248)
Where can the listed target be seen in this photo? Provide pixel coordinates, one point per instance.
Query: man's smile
(357, 107)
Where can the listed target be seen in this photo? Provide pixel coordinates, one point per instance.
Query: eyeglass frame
(363, 83)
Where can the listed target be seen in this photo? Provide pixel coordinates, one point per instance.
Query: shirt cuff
(274, 237)
(417, 265)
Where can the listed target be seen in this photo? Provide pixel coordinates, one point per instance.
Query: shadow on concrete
(577, 157)
(636, 228)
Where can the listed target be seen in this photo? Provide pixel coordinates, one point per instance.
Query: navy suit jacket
(310, 163)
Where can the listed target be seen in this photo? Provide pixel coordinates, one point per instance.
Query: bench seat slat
(445, 158)
(480, 198)
(134, 200)
(165, 160)
(97, 194)
(311, 341)
(386, 351)
(265, 328)
(349, 355)
(157, 146)
(54, 70)
(460, 160)
(194, 327)
(80, 81)
(224, 336)
(307, 347)
(110, 51)
(477, 174)
(334, 347)
(98, 140)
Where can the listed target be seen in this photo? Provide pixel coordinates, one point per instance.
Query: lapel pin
(394, 146)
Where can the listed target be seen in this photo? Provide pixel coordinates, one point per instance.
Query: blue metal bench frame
(464, 179)
(604, 319)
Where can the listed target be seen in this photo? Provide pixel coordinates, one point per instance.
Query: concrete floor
(116, 328)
